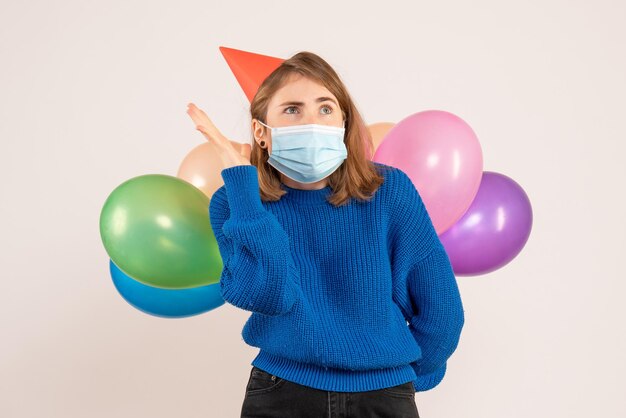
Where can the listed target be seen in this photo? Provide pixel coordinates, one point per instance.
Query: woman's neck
(303, 186)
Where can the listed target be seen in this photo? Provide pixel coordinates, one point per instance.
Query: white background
(95, 93)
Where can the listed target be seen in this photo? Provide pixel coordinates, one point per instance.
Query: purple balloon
(493, 230)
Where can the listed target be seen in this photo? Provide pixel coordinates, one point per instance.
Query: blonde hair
(357, 176)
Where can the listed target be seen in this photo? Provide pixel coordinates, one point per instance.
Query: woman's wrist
(242, 190)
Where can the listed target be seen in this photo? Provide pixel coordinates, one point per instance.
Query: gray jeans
(271, 396)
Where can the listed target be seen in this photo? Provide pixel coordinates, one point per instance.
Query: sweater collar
(307, 197)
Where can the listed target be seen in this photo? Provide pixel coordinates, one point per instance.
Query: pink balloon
(494, 229)
(442, 156)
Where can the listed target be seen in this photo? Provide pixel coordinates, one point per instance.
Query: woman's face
(300, 101)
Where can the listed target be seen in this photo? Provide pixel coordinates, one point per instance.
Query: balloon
(166, 303)
(494, 229)
(378, 131)
(202, 167)
(156, 228)
(442, 156)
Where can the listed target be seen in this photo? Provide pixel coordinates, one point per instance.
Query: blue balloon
(166, 303)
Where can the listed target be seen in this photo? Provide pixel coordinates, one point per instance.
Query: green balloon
(156, 229)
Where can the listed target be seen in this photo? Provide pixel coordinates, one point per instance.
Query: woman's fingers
(201, 118)
(205, 125)
(231, 152)
(212, 137)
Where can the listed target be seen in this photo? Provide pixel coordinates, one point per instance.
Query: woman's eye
(330, 109)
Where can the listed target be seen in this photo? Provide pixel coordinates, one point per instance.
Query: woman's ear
(259, 136)
(258, 130)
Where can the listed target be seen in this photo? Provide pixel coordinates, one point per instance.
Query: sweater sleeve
(425, 287)
(259, 274)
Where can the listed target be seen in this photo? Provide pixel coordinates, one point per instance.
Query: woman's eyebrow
(319, 100)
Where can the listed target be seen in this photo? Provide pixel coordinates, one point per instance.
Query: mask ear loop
(263, 124)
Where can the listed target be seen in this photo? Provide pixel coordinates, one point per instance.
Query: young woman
(354, 303)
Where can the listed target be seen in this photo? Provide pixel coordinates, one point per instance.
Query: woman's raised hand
(230, 152)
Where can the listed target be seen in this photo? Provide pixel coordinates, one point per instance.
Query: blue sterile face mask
(307, 153)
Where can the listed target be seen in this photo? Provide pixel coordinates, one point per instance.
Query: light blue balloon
(166, 303)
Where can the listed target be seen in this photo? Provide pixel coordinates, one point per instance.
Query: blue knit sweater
(352, 298)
